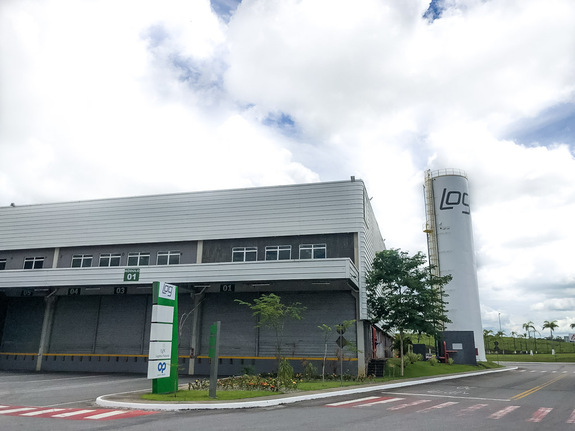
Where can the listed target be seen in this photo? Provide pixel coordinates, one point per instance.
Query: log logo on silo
(453, 198)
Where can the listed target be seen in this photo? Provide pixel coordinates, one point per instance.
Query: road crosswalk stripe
(499, 414)
(384, 400)
(439, 406)
(413, 403)
(41, 412)
(73, 413)
(539, 414)
(471, 409)
(360, 400)
(106, 415)
(19, 409)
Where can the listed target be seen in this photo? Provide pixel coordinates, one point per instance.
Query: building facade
(76, 277)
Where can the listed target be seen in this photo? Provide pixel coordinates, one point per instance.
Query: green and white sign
(163, 351)
(132, 274)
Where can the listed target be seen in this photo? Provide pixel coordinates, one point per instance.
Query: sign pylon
(163, 352)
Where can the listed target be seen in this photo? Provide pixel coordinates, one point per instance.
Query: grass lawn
(419, 369)
(202, 395)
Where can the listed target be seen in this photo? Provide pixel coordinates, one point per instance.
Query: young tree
(271, 313)
(326, 332)
(404, 294)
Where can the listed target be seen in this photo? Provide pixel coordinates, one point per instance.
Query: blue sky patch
(555, 125)
(434, 10)
(282, 121)
(224, 8)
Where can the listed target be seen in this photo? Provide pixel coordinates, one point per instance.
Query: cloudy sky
(102, 98)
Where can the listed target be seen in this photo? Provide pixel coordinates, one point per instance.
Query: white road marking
(106, 414)
(19, 409)
(74, 413)
(439, 406)
(499, 414)
(539, 414)
(351, 401)
(41, 412)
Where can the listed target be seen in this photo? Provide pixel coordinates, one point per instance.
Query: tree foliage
(403, 294)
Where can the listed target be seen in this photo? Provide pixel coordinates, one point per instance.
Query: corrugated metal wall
(23, 325)
(301, 338)
(256, 212)
(370, 242)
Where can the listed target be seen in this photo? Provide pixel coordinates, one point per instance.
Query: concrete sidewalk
(131, 400)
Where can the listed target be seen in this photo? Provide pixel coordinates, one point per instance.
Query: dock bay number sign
(132, 274)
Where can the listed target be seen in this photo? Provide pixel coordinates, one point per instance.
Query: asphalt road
(533, 397)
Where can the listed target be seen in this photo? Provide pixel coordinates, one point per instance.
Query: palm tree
(514, 334)
(572, 326)
(551, 326)
(527, 326)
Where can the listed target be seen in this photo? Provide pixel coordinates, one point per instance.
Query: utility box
(419, 349)
(460, 346)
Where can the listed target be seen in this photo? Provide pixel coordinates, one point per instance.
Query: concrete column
(55, 258)
(361, 371)
(50, 302)
(360, 336)
(195, 338)
(199, 251)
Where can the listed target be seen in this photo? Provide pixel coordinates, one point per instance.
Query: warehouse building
(76, 277)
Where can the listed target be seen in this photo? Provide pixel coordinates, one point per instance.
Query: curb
(106, 401)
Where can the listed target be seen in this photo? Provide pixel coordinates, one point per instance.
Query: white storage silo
(450, 243)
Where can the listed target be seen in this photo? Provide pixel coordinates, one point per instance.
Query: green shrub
(391, 365)
(412, 358)
(285, 372)
(248, 370)
(309, 371)
(450, 361)
(432, 361)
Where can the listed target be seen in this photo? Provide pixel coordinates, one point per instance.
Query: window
(138, 259)
(2, 264)
(168, 258)
(244, 254)
(33, 262)
(81, 260)
(110, 259)
(312, 251)
(278, 252)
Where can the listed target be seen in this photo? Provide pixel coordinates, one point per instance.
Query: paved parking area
(68, 390)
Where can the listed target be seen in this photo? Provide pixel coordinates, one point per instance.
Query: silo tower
(451, 251)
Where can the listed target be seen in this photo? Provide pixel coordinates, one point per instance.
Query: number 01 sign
(132, 274)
